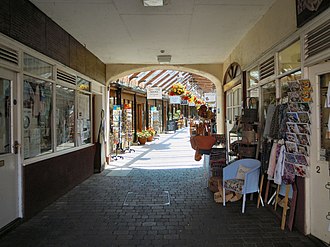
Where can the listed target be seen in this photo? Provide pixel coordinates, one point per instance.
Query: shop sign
(154, 93)
(209, 97)
(153, 108)
(184, 102)
(191, 103)
(175, 99)
(117, 107)
(306, 10)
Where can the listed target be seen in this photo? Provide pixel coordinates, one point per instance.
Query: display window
(253, 77)
(5, 130)
(37, 117)
(84, 119)
(285, 86)
(289, 59)
(234, 103)
(325, 115)
(48, 128)
(65, 117)
(37, 67)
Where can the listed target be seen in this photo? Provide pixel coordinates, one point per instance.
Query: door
(320, 139)
(9, 209)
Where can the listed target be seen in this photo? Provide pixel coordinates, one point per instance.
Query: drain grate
(153, 198)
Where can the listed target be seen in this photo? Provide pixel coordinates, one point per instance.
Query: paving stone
(93, 213)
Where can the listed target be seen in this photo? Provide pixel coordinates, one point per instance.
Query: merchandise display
(127, 131)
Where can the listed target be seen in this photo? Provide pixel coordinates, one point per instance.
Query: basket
(250, 116)
(218, 197)
(247, 151)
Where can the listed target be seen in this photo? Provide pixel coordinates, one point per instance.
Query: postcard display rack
(127, 131)
(117, 131)
(155, 124)
(296, 146)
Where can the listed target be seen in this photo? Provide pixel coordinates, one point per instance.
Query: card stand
(289, 193)
(116, 156)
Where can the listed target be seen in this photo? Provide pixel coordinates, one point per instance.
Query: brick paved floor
(94, 213)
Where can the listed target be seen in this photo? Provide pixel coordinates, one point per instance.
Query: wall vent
(317, 40)
(66, 77)
(267, 68)
(8, 55)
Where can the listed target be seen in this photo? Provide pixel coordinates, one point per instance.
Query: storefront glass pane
(84, 119)
(5, 129)
(253, 75)
(37, 117)
(289, 58)
(37, 67)
(65, 119)
(325, 115)
(268, 92)
(83, 84)
(284, 84)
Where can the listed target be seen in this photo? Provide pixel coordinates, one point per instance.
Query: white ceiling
(124, 31)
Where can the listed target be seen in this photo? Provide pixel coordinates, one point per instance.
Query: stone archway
(213, 72)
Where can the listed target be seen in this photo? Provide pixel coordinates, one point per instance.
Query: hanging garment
(327, 100)
(279, 170)
(274, 125)
(36, 103)
(272, 162)
(269, 116)
(283, 119)
(265, 154)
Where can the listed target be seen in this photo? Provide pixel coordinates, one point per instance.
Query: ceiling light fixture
(153, 3)
(164, 59)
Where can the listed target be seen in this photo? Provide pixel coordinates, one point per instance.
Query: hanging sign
(175, 99)
(209, 97)
(154, 93)
(184, 102)
(308, 9)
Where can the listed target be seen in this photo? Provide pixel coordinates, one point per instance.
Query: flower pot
(150, 138)
(142, 141)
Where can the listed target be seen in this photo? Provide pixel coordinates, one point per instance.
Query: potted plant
(152, 134)
(142, 136)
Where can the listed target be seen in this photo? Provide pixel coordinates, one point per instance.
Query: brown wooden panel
(47, 180)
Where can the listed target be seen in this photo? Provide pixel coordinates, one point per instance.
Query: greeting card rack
(117, 132)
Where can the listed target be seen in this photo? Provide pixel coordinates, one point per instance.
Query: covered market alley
(156, 196)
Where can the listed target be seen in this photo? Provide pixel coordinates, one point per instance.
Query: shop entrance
(320, 170)
(8, 148)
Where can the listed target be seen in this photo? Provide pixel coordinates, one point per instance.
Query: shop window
(289, 58)
(268, 94)
(83, 84)
(284, 84)
(65, 117)
(5, 130)
(84, 119)
(37, 67)
(325, 115)
(234, 103)
(37, 117)
(253, 77)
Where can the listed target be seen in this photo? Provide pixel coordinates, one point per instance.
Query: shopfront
(293, 78)
(47, 123)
